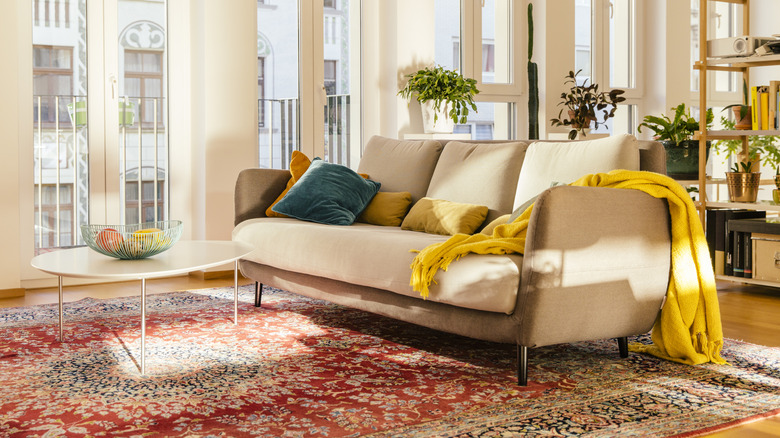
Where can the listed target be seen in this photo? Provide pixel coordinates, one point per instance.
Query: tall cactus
(533, 81)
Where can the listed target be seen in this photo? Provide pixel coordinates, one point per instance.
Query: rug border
(726, 426)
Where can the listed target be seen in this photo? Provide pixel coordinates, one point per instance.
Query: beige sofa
(596, 262)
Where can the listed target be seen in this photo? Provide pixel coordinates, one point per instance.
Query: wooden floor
(749, 313)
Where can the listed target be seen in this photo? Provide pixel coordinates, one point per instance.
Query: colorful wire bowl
(136, 241)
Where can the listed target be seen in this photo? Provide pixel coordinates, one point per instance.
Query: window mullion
(471, 39)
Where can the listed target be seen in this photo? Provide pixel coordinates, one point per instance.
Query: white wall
(229, 63)
(13, 124)
(398, 39)
(764, 22)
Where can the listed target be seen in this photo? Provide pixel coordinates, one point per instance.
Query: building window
(261, 91)
(488, 58)
(131, 201)
(46, 216)
(144, 82)
(52, 80)
(330, 77)
(329, 4)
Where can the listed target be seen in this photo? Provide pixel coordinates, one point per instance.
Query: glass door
(291, 85)
(99, 116)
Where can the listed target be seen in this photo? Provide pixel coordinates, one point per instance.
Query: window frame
(471, 62)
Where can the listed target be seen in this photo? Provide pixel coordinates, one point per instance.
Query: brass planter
(743, 187)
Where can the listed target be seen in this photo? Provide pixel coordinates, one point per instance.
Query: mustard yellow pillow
(299, 163)
(501, 220)
(387, 209)
(437, 216)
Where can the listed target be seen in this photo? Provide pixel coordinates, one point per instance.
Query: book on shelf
(764, 97)
(737, 256)
(748, 253)
(729, 239)
(774, 88)
(765, 103)
(754, 115)
(748, 227)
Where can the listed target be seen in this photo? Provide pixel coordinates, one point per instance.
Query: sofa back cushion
(400, 166)
(547, 163)
(479, 173)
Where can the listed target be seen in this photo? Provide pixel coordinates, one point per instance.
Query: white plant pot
(443, 124)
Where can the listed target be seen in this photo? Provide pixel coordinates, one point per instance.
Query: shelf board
(711, 180)
(760, 205)
(743, 61)
(725, 135)
(747, 280)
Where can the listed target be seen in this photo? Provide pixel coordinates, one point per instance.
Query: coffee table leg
(235, 293)
(60, 299)
(143, 326)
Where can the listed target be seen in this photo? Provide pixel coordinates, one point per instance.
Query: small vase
(436, 122)
(743, 123)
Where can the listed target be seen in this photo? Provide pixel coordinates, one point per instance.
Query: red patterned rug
(299, 367)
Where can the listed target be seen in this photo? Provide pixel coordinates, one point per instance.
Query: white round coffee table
(185, 256)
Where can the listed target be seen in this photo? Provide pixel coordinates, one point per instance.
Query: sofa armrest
(256, 189)
(596, 265)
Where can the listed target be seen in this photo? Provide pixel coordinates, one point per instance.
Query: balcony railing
(279, 130)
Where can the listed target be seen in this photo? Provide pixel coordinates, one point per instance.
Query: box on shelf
(766, 257)
(760, 243)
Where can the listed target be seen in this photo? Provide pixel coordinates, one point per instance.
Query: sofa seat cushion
(380, 257)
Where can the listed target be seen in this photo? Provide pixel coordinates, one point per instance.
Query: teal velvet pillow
(328, 194)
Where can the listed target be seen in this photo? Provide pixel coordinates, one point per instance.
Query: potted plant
(583, 102)
(442, 93)
(742, 182)
(742, 111)
(682, 152)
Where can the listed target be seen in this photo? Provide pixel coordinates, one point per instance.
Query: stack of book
(765, 100)
(731, 251)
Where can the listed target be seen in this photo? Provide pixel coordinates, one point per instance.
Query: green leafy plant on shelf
(767, 146)
(741, 167)
(442, 86)
(583, 102)
(681, 128)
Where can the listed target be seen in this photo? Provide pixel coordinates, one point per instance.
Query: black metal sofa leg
(258, 293)
(522, 365)
(623, 346)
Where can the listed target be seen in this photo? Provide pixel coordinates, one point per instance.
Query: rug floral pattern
(302, 367)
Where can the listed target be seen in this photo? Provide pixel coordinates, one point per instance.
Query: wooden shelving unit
(739, 65)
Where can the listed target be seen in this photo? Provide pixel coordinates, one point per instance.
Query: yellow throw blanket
(689, 327)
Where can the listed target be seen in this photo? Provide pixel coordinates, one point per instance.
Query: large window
(607, 52)
(489, 28)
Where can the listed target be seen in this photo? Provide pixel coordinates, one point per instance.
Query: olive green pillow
(387, 209)
(437, 216)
